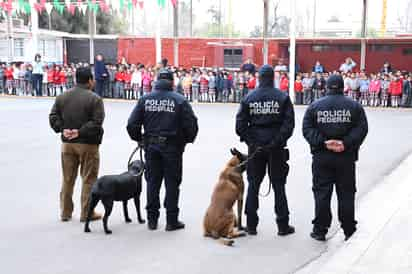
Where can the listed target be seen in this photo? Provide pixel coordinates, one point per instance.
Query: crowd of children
(212, 85)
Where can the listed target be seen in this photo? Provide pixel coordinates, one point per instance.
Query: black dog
(117, 188)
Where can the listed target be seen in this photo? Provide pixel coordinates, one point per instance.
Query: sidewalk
(383, 242)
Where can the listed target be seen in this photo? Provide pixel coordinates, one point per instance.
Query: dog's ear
(236, 153)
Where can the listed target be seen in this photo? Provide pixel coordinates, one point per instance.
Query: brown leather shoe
(95, 217)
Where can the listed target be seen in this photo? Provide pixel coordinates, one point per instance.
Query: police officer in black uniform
(169, 124)
(265, 121)
(335, 127)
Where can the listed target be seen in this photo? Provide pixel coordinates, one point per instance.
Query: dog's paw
(142, 221)
(108, 232)
(230, 242)
(128, 220)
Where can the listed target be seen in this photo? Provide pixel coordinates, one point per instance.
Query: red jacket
(62, 77)
(56, 77)
(284, 84)
(298, 86)
(50, 76)
(395, 88)
(119, 76)
(8, 73)
(251, 84)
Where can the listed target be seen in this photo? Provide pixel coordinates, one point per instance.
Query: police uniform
(266, 119)
(169, 124)
(334, 117)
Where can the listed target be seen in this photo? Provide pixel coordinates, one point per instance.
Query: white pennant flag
(83, 8)
(68, 2)
(49, 7)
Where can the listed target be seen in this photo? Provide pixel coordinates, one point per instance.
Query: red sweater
(284, 84)
(62, 77)
(50, 76)
(298, 86)
(395, 88)
(119, 76)
(251, 84)
(8, 73)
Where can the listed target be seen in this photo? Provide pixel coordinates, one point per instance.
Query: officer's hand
(336, 146)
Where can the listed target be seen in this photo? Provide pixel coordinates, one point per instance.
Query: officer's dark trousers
(99, 87)
(328, 170)
(276, 164)
(163, 162)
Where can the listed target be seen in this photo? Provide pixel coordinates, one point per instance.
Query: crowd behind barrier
(386, 88)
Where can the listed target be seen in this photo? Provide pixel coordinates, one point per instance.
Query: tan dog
(220, 219)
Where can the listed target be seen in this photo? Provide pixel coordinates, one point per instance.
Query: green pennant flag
(27, 8)
(129, 5)
(58, 6)
(161, 3)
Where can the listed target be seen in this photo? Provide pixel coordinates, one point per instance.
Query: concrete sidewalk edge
(342, 257)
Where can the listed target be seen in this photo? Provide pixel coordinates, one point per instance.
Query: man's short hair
(83, 75)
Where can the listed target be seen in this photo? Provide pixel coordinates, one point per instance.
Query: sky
(248, 13)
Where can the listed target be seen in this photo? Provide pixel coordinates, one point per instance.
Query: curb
(388, 197)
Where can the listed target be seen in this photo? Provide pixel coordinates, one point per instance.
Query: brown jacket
(81, 109)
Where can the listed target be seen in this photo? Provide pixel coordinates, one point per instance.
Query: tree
(78, 23)
(280, 23)
(257, 32)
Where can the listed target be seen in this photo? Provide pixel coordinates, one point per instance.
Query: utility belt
(160, 140)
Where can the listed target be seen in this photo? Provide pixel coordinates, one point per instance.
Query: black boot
(284, 230)
(251, 231)
(152, 224)
(318, 236)
(349, 233)
(175, 226)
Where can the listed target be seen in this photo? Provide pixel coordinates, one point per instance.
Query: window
(349, 48)
(47, 48)
(19, 47)
(407, 51)
(382, 48)
(4, 48)
(320, 48)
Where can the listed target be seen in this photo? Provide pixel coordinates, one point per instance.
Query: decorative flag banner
(49, 8)
(141, 4)
(26, 6)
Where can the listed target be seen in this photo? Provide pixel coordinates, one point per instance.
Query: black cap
(266, 71)
(165, 74)
(335, 82)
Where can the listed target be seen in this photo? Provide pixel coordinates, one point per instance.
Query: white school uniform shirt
(136, 78)
(16, 72)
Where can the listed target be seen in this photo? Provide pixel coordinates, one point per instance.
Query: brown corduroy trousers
(74, 156)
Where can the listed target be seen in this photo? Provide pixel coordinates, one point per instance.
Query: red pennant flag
(141, 4)
(71, 8)
(134, 2)
(174, 2)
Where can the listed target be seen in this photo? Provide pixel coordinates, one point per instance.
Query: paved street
(33, 240)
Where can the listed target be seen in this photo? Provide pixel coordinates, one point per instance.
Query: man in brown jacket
(78, 115)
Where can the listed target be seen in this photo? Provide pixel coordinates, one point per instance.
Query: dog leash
(253, 155)
(141, 159)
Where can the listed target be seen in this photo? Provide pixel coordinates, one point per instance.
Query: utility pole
(191, 18)
(363, 35)
(10, 37)
(220, 19)
(92, 33)
(292, 50)
(265, 31)
(34, 20)
(176, 34)
(314, 18)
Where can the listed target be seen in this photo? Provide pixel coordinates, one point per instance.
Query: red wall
(193, 50)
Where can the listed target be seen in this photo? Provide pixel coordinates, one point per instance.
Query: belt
(159, 140)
